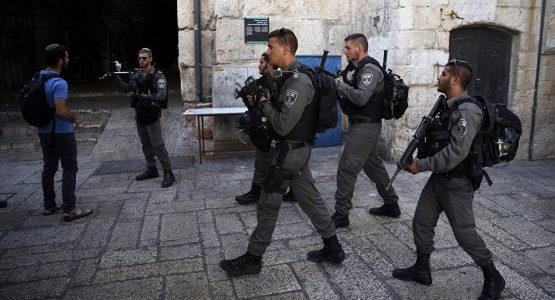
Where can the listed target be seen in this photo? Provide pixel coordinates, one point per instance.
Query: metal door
(488, 50)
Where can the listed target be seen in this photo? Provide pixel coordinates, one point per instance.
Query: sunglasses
(142, 58)
(456, 63)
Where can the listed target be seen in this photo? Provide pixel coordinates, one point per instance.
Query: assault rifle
(321, 69)
(406, 158)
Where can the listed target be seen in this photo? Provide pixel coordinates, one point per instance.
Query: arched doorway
(488, 50)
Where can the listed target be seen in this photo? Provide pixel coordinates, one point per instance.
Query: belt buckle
(274, 144)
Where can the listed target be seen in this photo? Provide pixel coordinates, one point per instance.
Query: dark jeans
(60, 147)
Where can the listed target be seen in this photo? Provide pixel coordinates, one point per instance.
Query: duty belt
(290, 145)
(453, 174)
(364, 120)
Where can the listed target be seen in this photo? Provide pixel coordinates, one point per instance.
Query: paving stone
(149, 270)
(38, 236)
(83, 192)
(97, 233)
(149, 232)
(501, 235)
(85, 272)
(215, 273)
(149, 289)
(49, 257)
(163, 196)
(222, 290)
(188, 286)
(276, 257)
(547, 283)
(35, 273)
(133, 209)
(181, 226)
(544, 258)
(205, 216)
(234, 245)
(397, 252)
(38, 220)
(515, 260)
(377, 261)
(527, 231)
(362, 223)
(209, 235)
(115, 197)
(354, 278)
(403, 231)
(108, 209)
(48, 288)
(38, 249)
(272, 280)
(314, 281)
(173, 207)
(290, 231)
(125, 235)
(229, 223)
(520, 286)
(180, 252)
(128, 257)
(449, 258)
(10, 220)
(213, 256)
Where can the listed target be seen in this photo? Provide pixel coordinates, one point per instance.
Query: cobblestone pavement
(145, 242)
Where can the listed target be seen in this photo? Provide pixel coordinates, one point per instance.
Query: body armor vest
(373, 108)
(304, 130)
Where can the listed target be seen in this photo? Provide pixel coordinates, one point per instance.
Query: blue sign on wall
(331, 137)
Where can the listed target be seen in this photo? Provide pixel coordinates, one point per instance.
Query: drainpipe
(536, 84)
(198, 59)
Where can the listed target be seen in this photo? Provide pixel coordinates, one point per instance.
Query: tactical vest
(304, 130)
(438, 137)
(372, 108)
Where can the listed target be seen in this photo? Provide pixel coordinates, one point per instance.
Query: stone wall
(416, 33)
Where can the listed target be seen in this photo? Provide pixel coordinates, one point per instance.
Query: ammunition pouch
(275, 179)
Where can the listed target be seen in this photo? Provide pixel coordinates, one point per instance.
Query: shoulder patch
(290, 97)
(161, 83)
(461, 127)
(367, 78)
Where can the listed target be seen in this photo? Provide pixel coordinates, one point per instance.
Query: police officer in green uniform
(292, 117)
(449, 189)
(262, 158)
(361, 99)
(149, 89)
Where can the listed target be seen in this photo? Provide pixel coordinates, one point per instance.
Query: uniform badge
(161, 83)
(367, 78)
(290, 97)
(461, 127)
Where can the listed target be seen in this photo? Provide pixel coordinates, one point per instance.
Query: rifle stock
(406, 158)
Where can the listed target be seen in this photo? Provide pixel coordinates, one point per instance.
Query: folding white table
(200, 113)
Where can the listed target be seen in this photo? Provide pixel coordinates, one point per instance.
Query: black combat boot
(289, 197)
(242, 265)
(332, 252)
(169, 178)
(340, 220)
(150, 172)
(250, 196)
(420, 272)
(494, 283)
(388, 210)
